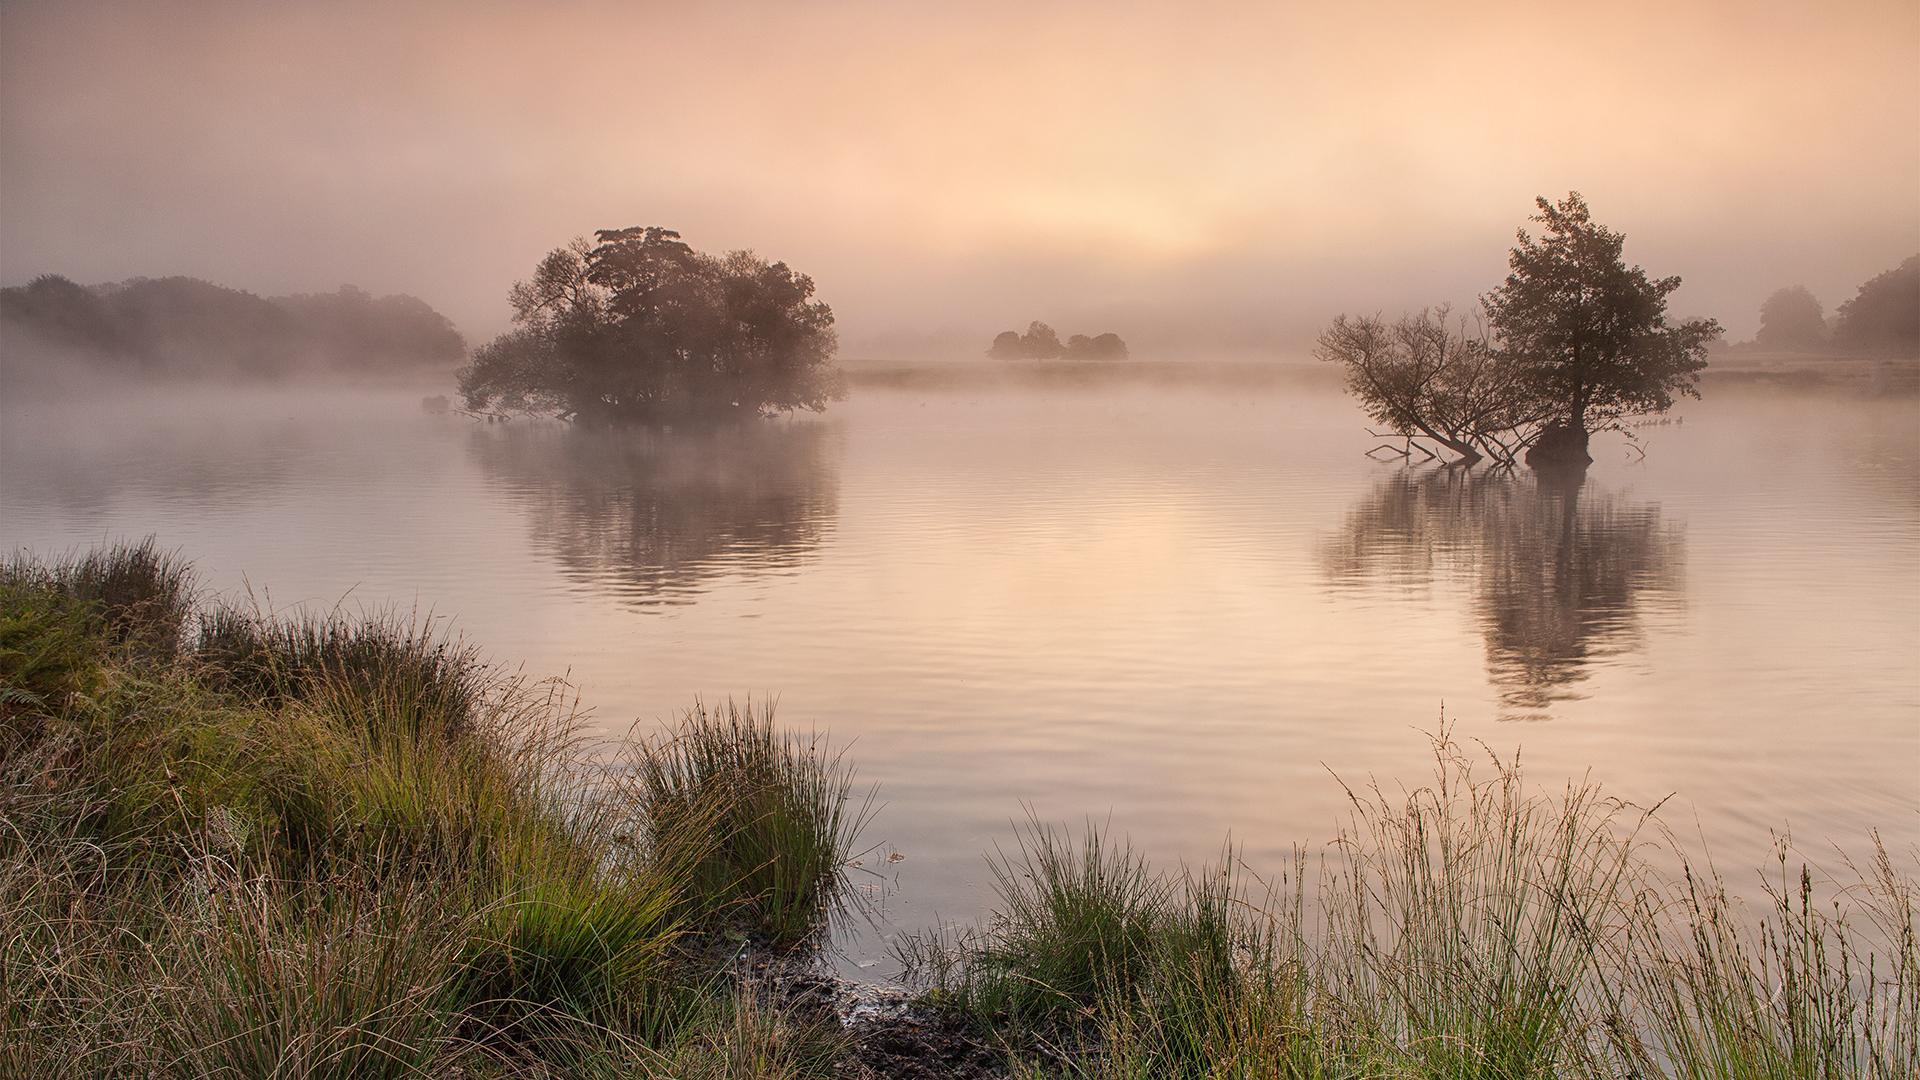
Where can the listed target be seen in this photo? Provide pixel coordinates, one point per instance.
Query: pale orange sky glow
(1208, 172)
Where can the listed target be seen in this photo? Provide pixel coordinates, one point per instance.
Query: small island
(1042, 342)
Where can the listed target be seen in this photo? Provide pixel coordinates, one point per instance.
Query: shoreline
(207, 800)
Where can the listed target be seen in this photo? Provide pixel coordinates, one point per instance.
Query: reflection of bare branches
(1559, 573)
(655, 514)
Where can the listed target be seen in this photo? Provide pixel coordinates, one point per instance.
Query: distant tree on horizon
(57, 311)
(1040, 342)
(1106, 346)
(361, 330)
(1792, 319)
(1884, 317)
(181, 325)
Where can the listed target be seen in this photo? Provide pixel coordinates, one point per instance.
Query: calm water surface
(1177, 611)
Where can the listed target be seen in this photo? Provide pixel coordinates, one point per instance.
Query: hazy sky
(1234, 173)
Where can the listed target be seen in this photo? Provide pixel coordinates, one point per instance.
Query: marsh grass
(332, 846)
(410, 669)
(60, 619)
(1469, 917)
(1823, 982)
(763, 821)
(286, 979)
(325, 845)
(1471, 927)
(1078, 921)
(742, 1036)
(48, 650)
(140, 594)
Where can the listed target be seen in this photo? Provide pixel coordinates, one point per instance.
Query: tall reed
(1471, 927)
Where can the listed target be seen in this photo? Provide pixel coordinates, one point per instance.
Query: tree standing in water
(1589, 332)
(1576, 342)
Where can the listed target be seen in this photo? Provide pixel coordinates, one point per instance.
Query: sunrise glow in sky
(953, 169)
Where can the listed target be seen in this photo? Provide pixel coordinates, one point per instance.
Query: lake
(1179, 611)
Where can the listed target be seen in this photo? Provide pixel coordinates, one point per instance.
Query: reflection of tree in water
(654, 515)
(1560, 571)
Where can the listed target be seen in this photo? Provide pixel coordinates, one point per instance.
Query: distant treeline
(1882, 319)
(184, 326)
(1041, 342)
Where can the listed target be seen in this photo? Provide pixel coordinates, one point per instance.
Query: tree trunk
(1560, 446)
(1467, 451)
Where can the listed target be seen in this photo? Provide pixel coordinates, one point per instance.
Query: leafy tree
(1792, 319)
(1040, 342)
(1079, 347)
(1589, 332)
(1007, 346)
(1884, 317)
(639, 326)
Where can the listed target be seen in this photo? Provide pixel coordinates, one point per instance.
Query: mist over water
(1174, 608)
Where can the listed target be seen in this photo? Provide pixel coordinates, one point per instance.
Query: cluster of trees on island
(1882, 319)
(186, 326)
(1573, 342)
(1042, 342)
(638, 326)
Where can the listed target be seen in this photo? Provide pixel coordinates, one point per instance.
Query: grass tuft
(407, 674)
(764, 823)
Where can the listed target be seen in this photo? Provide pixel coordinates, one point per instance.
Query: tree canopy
(1099, 347)
(1040, 342)
(1007, 346)
(1792, 319)
(1590, 331)
(638, 326)
(1884, 317)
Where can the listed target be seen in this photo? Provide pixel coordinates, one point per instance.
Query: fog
(1223, 178)
(591, 524)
